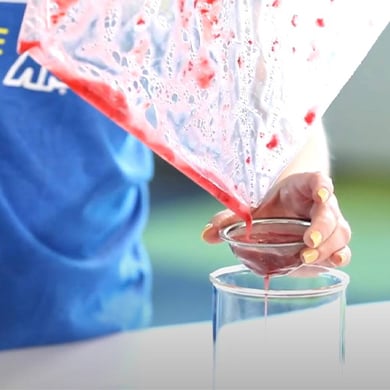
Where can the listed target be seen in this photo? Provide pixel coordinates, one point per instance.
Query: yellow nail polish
(310, 256)
(316, 238)
(342, 258)
(206, 229)
(323, 193)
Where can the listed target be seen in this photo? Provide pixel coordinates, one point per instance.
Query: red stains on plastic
(294, 20)
(310, 117)
(26, 46)
(273, 143)
(204, 73)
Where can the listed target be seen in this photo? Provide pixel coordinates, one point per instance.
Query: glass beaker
(288, 333)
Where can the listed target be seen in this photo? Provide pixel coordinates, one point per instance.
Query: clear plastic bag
(224, 90)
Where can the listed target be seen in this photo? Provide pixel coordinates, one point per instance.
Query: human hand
(302, 195)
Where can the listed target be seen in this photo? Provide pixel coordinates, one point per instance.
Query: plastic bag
(226, 91)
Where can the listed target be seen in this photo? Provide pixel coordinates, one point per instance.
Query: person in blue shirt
(73, 207)
(74, 203)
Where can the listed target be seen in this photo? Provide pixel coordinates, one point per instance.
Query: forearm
(314, 157)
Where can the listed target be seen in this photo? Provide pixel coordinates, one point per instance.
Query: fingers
(328, 236)
(210, 233)
(341, 257)
(295, 195)
(303, 195)
(317, 184)
(322, 188)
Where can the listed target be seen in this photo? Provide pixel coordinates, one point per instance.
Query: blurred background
(358, 125)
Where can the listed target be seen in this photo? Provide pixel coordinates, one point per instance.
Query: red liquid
(114, 105)
(63, 6)
(269, 261)
(310, 117)
(273, 143)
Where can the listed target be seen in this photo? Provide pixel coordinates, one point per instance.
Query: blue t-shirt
(73, 207)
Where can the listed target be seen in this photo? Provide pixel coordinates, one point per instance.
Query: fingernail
(206, 229)
(323, 193)
(310, 255)
(316, 238)
(341, 258)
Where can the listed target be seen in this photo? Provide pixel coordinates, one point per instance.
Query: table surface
(180, 357)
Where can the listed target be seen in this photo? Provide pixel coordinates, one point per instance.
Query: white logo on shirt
(29, 79)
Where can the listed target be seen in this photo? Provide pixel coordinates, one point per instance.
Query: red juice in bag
(225, 91)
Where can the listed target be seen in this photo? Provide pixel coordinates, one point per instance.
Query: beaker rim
(339, 285)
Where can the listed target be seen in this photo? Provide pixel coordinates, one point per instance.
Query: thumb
(210, 232)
